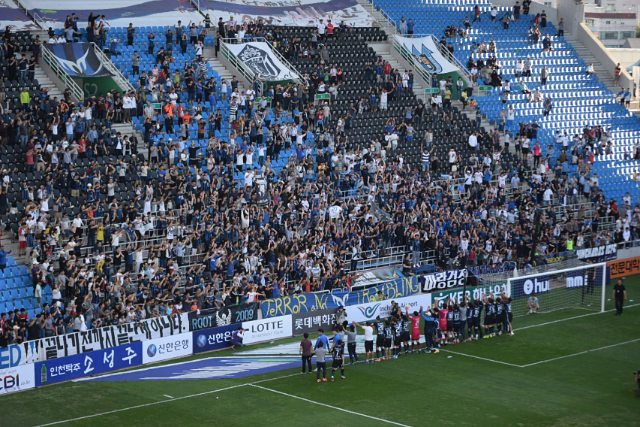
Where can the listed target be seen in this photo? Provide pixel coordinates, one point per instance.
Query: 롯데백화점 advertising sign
(213, 338)
(92, 363)
(368, 312)
(310, 322)
(167, 348)
(267, 329)
(17, 378)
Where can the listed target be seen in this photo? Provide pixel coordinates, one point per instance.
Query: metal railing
(52, 62)
(413, 61)
(119, 78)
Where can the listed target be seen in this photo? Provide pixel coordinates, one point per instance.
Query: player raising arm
(415, 329)
(368, 340)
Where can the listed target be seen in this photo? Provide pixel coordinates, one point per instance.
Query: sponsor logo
(152, 350)
(340, 301)
(369, 312)
(577, 281)
(531, 286)
(202, 341)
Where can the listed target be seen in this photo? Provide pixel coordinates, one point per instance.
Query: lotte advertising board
(267, 329)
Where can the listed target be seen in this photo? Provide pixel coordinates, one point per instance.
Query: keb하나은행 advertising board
(267, 329)
(17, 378)
(213, 338)
(92, 363)
(166, 348)
(368, 312)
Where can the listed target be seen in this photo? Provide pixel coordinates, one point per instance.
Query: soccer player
(469, 306)
(368, 340)
(397, 336)
(508, 315)
(379, 338)
(388, 338)
(500, 316)
(442, 322)
(321, 364)
(477, 314)
(489, 316)
(406, 329)
(415, 329)
(455, 323)
(338, 359)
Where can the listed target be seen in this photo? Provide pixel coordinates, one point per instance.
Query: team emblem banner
(428, 54)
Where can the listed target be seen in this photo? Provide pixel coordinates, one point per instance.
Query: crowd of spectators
(192, 217)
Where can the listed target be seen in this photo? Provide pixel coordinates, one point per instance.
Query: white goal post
(579, 288)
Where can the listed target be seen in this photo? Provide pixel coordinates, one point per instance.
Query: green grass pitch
(555, 371)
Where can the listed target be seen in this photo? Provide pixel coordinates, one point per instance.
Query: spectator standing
(402, 27)
(306, 351)
(619, 296)
(321, 364)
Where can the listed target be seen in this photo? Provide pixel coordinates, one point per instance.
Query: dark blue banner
(213, 338)
(92, 363)
(304, 303)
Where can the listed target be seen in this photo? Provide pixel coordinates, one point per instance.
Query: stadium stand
(579, 100)
(233, 195)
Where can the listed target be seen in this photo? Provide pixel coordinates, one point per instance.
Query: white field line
(513, 365)
(580, 353)
(572, 318)
(160, 402)
(167, 396)
(337, 408)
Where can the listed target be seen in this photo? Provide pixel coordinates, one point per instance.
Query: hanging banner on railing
(78, 59)
(262, 61)
(428, 54)
(443, 280)
(95, 339)
(211, 318)
(599, 253)
(304, 303)
(369, 312)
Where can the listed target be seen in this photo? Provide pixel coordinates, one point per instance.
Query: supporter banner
(213, 338)
(92, 363)
(118, 12)
(78, 59)
(368, 312)
(203, 319)
(267, 329)
(474, 293)
(14, 18)
(428, 54)
(443, 280)
(262, 61)
(166, 348)
(91, 340)
(624, 267)
(312, 321)
(298, 13)
(18, 378)
(599, 253)
(304, 303)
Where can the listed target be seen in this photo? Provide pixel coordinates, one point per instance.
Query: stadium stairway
(46, 82)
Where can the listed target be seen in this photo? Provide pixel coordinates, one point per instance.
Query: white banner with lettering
(267, 329)
(166, 348)
(91, 340)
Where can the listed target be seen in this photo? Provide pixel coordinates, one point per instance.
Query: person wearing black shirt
(388, 337)
(379, 324)
(476, 314)
(338, 359)
(397, 337)
(619, 296)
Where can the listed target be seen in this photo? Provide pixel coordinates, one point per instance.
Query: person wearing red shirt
(329, 29)
(415, 328)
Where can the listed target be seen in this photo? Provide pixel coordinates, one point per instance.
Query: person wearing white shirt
(547, 196)
(473, 141)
